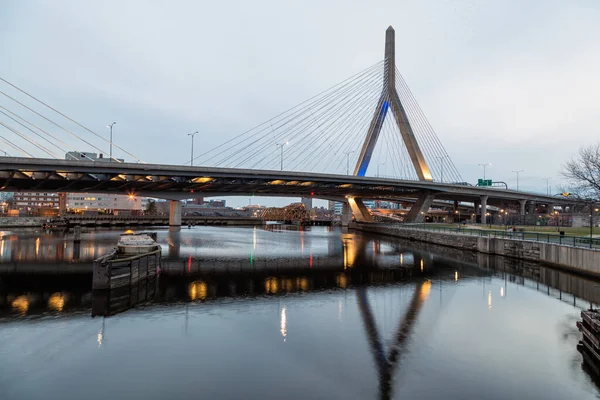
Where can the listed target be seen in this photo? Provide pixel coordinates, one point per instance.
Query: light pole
(348, 161)
(280, 145)
(110, 126)
(518, 172)
(592, 211)
(441, 158)
(5, 153)
(192, 157)
(484, 166)
(378, 168)
(547, 186)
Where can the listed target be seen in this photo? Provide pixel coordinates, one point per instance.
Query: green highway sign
(484, 182)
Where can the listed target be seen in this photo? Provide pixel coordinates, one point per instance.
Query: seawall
(575, 259)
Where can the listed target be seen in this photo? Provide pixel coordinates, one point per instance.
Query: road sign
(484, 182)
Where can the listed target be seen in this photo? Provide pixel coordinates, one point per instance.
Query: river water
(253, 313)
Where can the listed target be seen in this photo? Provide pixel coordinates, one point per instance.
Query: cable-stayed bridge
(322, 148)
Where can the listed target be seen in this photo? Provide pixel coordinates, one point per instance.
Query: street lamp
(280, 145)
(111, 142)
(484, 166)
(348, 161)
(378, 168)
(441, 158)
(192, 156)
(547, 186)
(518, 172)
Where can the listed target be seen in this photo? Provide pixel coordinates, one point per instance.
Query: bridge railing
(575, 241)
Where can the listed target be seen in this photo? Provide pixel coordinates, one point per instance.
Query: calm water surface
(281, 313)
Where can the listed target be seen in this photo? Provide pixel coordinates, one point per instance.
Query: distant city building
(308, 202)
(210, 204)
(337, 206)
(102, 202)
(4, 196)
(34, 200)
(81, 202)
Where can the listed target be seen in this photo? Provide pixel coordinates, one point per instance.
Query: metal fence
(576, 241)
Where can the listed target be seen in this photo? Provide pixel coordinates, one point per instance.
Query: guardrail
(575, 241)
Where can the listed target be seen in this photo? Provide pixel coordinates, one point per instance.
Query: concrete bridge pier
(361, 214)
(346, 214)
(484, 200)
(523, 205)
(419, 208)
(175, 213)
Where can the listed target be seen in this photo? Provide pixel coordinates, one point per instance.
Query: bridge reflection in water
(43, 274)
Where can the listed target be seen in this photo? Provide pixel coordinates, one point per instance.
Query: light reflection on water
(295, 314)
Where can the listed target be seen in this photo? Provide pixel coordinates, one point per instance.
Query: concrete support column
(419, 208)
(175, 213)
(62, 204)
(346, 214)
(484, 200)
(532, 207)
(361, 214)
(476, 205)
(549, 208)
(523, 204)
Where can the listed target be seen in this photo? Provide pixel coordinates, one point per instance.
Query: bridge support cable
(34, 132)
(332, 130)
(32, 142)
(14, 146)
(359, 129)
(256, 130)
(56, 139)
(336, 138)
(311, 126)
(52, 122)
(318, 125)
(295, 125)
(352, 136)
(308, 127)
(68, 118)
(425, 132)
(342, 130)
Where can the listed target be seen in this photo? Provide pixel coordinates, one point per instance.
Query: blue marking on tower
(365, 164)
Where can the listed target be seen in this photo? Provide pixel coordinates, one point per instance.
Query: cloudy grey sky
(514, 83)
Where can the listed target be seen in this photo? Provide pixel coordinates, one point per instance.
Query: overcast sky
(515, 83)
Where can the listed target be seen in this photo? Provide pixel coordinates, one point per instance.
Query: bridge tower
(389, 99)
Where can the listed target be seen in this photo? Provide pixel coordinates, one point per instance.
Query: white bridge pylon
(389, 99)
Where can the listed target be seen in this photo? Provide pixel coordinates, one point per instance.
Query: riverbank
(574, 259)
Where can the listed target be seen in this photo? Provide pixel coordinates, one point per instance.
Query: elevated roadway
(175, 182)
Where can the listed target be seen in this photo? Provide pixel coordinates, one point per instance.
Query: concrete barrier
(575, 259)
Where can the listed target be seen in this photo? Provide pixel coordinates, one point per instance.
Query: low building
(105, 203)
(34, 200)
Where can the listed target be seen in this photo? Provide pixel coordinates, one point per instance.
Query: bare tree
(583, 170)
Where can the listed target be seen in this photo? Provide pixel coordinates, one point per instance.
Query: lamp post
(110, 126)
(547, 186)
(348, 161)
(484, 166)
(592, 211)
(192, 156)
(518, 172)
(280, 145)
(441, 158)
(378, 168)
